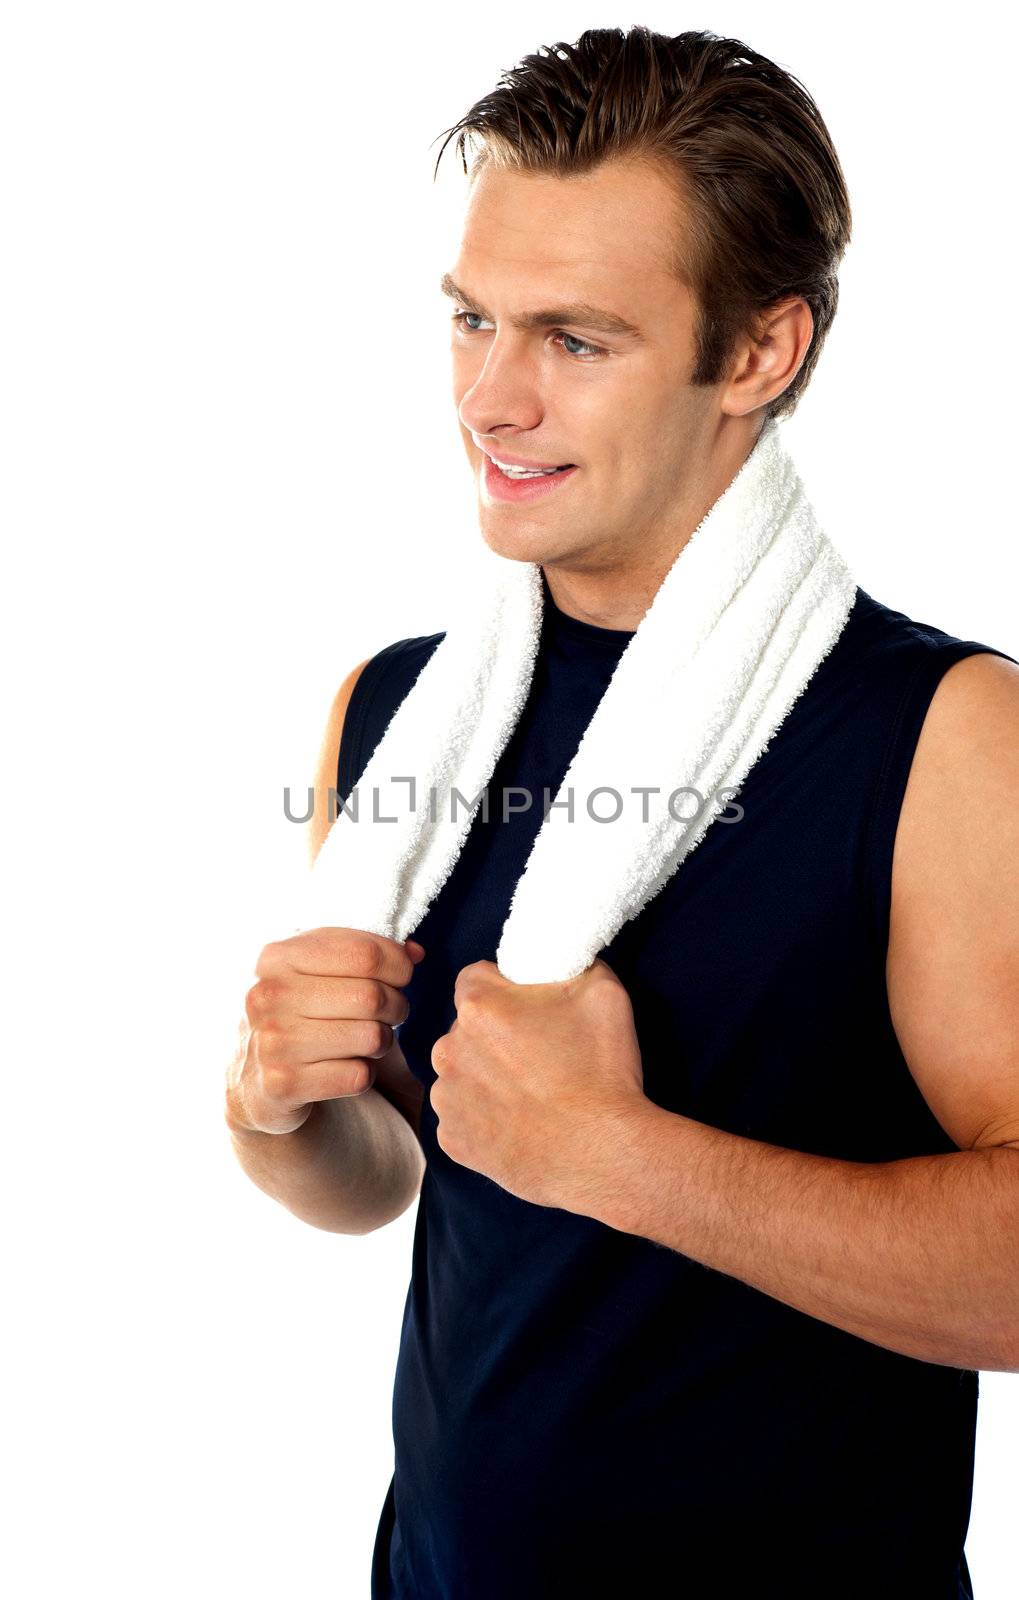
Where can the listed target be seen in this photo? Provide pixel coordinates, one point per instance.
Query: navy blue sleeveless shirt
(578, 1411)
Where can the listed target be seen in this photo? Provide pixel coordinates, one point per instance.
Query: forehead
(613, 230)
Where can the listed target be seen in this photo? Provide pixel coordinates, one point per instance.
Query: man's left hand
(532, 1076)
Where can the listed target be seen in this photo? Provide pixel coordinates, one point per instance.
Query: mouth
(516, 483)
(512, 469)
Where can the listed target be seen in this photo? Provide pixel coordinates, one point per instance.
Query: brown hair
(765, 203)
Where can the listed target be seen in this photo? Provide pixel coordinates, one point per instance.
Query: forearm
(919, 1255)
(353, 1166)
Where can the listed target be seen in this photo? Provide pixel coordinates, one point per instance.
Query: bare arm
(320, 1103)
(351, 1167)
(920, 1255)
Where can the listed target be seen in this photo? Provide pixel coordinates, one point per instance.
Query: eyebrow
(577, 312)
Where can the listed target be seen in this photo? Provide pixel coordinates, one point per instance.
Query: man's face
(618, 406)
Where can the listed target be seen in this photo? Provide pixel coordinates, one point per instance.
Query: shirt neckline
(561, 623)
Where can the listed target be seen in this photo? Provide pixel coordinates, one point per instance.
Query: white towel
(752, 604)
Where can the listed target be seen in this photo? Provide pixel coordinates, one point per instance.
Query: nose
(497, 388)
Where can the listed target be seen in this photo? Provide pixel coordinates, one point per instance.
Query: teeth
(525, 472)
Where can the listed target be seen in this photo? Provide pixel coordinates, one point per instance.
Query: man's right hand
(318, 1019)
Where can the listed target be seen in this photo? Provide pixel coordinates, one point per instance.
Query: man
(713, 1240)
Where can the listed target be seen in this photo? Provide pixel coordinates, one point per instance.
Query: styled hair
(764, 201)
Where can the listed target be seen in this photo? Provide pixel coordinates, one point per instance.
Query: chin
(518, 537)
(519, 544)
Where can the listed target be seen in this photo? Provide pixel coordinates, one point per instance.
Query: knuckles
(263, 998)
(362, 958)
(268, 958)
(442, 1054)
(271, 1040)
(279, 1083)
(378, 1036)
(443, 1140)
(370, 998)
(472, 981)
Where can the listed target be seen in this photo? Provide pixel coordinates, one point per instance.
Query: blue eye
(584, 345)
(587, 352)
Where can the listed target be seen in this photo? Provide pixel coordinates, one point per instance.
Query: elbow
(394, 1198)
(1000, 1351)
(1010, 1362)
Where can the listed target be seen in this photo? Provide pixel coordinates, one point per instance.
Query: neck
(618, 594)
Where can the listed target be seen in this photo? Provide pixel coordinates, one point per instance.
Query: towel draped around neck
(754, 601)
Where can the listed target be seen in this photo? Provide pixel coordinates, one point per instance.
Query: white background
(232, 470)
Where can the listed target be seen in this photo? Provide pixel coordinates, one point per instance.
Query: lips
(499, 485)
(501, 458)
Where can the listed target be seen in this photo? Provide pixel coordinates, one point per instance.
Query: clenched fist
(318, 1023)
(533, 1079)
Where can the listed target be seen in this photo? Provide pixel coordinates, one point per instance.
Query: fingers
(294, 1086)
(320, 1014)
(297, 995)
(326, 952)
(299, 1043)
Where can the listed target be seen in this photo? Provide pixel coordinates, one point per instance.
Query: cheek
(465, 369)
(613, 428)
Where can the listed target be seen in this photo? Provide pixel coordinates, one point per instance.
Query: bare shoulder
(325, 767)
(953, 953)
(393, 1077)
(970, 734)
(983, 685)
